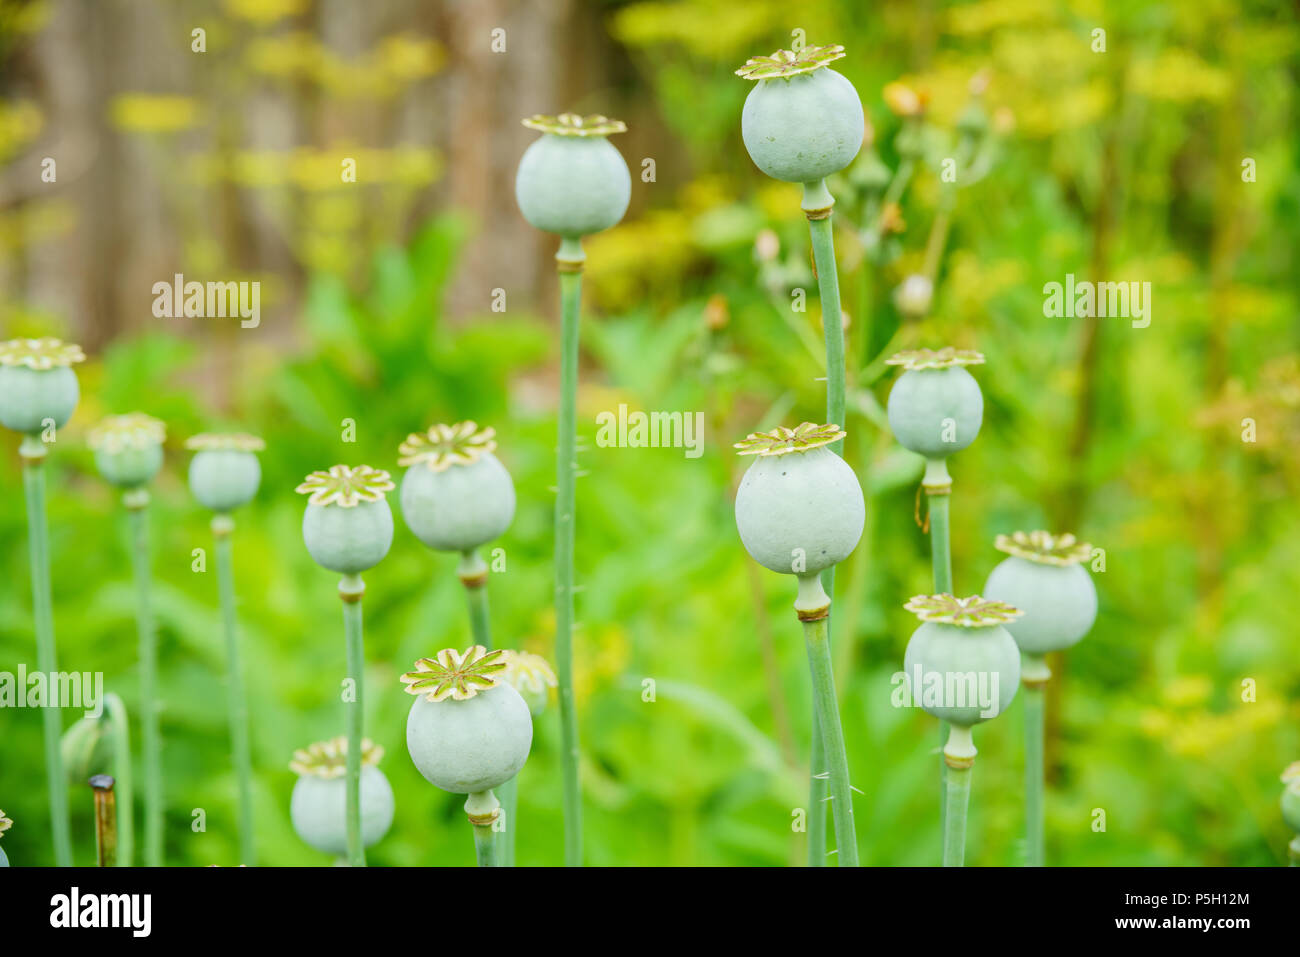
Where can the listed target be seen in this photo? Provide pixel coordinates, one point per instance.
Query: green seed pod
(348, 526)
(468, 730)
(966, 662)
(572, 181)
(531, 676)
(5, 824)
(37, 383)
(128, 448)
(802, 121)
(1291, 797)
(224, 473)
(318, 806)
(1045, 579)
(936, 407)
(799, 507)
(456, 495)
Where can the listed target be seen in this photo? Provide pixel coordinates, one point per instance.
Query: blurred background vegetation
(377, 298)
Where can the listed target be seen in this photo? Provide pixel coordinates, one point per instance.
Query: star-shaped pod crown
(1044, 547)
(788, 63)
(135, 430)
(346, 486)
(931, 359)
(329, 759)
(571, 124)
(972, 612)
(5, 823)
(443, 446)
(455, 674)
(782, 441)
(224, 442)
(40, 354)
(527, 672)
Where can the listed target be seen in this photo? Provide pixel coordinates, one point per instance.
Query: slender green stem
(137, 505)
(237, 703)
(509, 795)
(32, 451)
(817, 203)
(351, 588)
(569, 260)
(473, 575)
(483, 811)
(120, 728)
(938, 492)
(954, 832)
(817, 638)
(1033, 697)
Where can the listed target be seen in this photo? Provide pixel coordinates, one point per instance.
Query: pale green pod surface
(223, 479)
(1059, 602)
(963, 671)
(348, 540)
(131, 466)
(4, 858)
(458, 508)
(318, 809)
(936, 412)
(1291, 806)
(800, 513)
(573, 186)
(803, 128)
(30, 396)
(473, 744)
(87, 748)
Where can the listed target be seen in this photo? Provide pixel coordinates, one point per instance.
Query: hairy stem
(1033, 695)
(817, 203)
(121, 731)
(569, 261)
(817, 638)
(137, 504)
(32, 451)
(351, 589)
(236, 702)
(473, 575)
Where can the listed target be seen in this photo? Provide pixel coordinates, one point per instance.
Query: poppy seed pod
(468, 731)
(456, 495)
(936, 407)
(318, 806)
(1291, 797)
(966, 662)
(799, 507)
(1045, 579)
(531, 676)
(573, 181)
(348, 526)
(128, 448)
(37, 383)
(224, 473)
(802, 121)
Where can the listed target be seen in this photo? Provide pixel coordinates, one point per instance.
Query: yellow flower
(147, 113)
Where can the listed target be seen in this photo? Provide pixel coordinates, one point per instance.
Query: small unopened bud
(902, 100)
(767, 246)
(913, 295)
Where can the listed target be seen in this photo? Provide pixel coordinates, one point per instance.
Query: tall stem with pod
(1045, 578)
(225, 474)
(802, 122)
(128, 453)
(468, 731)
(456, 497)
(572, 182)
(935, 409)
(958, 637)
(101, 744)
(38, 393)
(799, 511)
(319, 806)
(348, 528)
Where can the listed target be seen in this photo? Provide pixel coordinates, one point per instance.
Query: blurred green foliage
(1123, 164)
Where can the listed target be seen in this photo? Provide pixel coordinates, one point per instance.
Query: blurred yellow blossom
(265, 11)
(150, 113)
